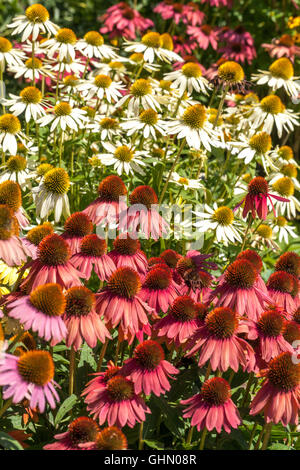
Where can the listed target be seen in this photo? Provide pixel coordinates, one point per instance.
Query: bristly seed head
(54, 250)
(57, 181)
(92, 245)
(231, 72)
(111, 189)
(37, 13)
(36, 234)
(79, 301)
(241, 274)
(36, 367)
(289, 262)
(215, 391)
(283, 373)
(282, 68)
(194, 116)
(222, 322)
(124, 282)
(149, 354)
(49, 299)
(78, 225)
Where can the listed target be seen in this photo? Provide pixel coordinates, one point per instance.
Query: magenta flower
(82, 430)
(205, 36)
(127, 252)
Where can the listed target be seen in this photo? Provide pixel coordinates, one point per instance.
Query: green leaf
(87, 356)
(154, 444)
(66, 406)
(278, 446)
(9, 443)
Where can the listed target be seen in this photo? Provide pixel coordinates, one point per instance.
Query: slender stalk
(268, 430)
(203, 437)
(259, 439)
(221, 104)
(247, 389)
(246, 233)
(208, 371)
(102, 354)
(32, 56)
(171, 170)
(190, 435)
(5, 407)
(141, 441)
(72, 370)
(252, 435)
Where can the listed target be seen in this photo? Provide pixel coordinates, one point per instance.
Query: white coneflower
(283, 230)
(186, 183)
(279, 75)
(136, 60)
(67, 65)
(29, 101)
(188, 78)
(124, 159)
(101, 86)
(92, 45)
(148, 123)
(16, 170)
(287, 169)
(51, 195)
(284, 155)
(64, 116)
(151, 46)
(34, 22)
(10, 132)
(33, 70)
(115, 69)
(272, 111)
(140, 96)
(194, 126)
(263, 236)
(63, 44)
(9, 55)
(221, 220)
(107, 127)
(257, 146)
(284, 187)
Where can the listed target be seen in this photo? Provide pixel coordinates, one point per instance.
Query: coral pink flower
(269, 332)
(254, 258)
(192, 14)
(181, 322)
(238, 52)
(148, 370)
(159, 290)
(81, 431)
(218, 342)
(116, 403)
(29, 376)
(12, 251)
(189, 13)
(219, 3)
(282, 47)
(280, 287)
(183, 46)
(52, 265)
(41, 311)
(204, 35)
(257, 198)
(35, 236)
(92, 254)
(77, 226)
(109, 438)
(213, 408)
(121, 303)
(289, 262)
(143, 214)
(110, 202)
(237, 289)
(279, 396)
(127, 252)
(171, 258)
(122, 20)
(81, 319)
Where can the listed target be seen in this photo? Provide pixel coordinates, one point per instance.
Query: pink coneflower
(148, 370)
(10, 194)
(282, 47)
(193, 270)
(29, 376)
(237, 289)
(171, 258)
(81, 319)
(52, 265)
(238, 52)
(92, 254)
(204, 35)
(183, 46)
(269, 332)
(81, 431)
(213, 407)
(117, 403)
(12, 251)
(77, 226)
(181, 322)
(110, 202)
(41, 311)
(212, 72)
(143, 214)
(127, 252)
(192, 14)
(281, 286)
(289, 262)
(218, 342)
(35, 236)
(121, 303)
(254, 258)
(279, 396)
(257, 198)
(159, 290)
(122, 20)
(189, 13)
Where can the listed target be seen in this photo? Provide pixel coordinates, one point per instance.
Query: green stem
(102, 354)
(141, 441)
(225, 91)
(268, 430)
(5, 407)
(190, 435)
(72, 370)
(246, 233)
(203, 437)
(171, 170)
